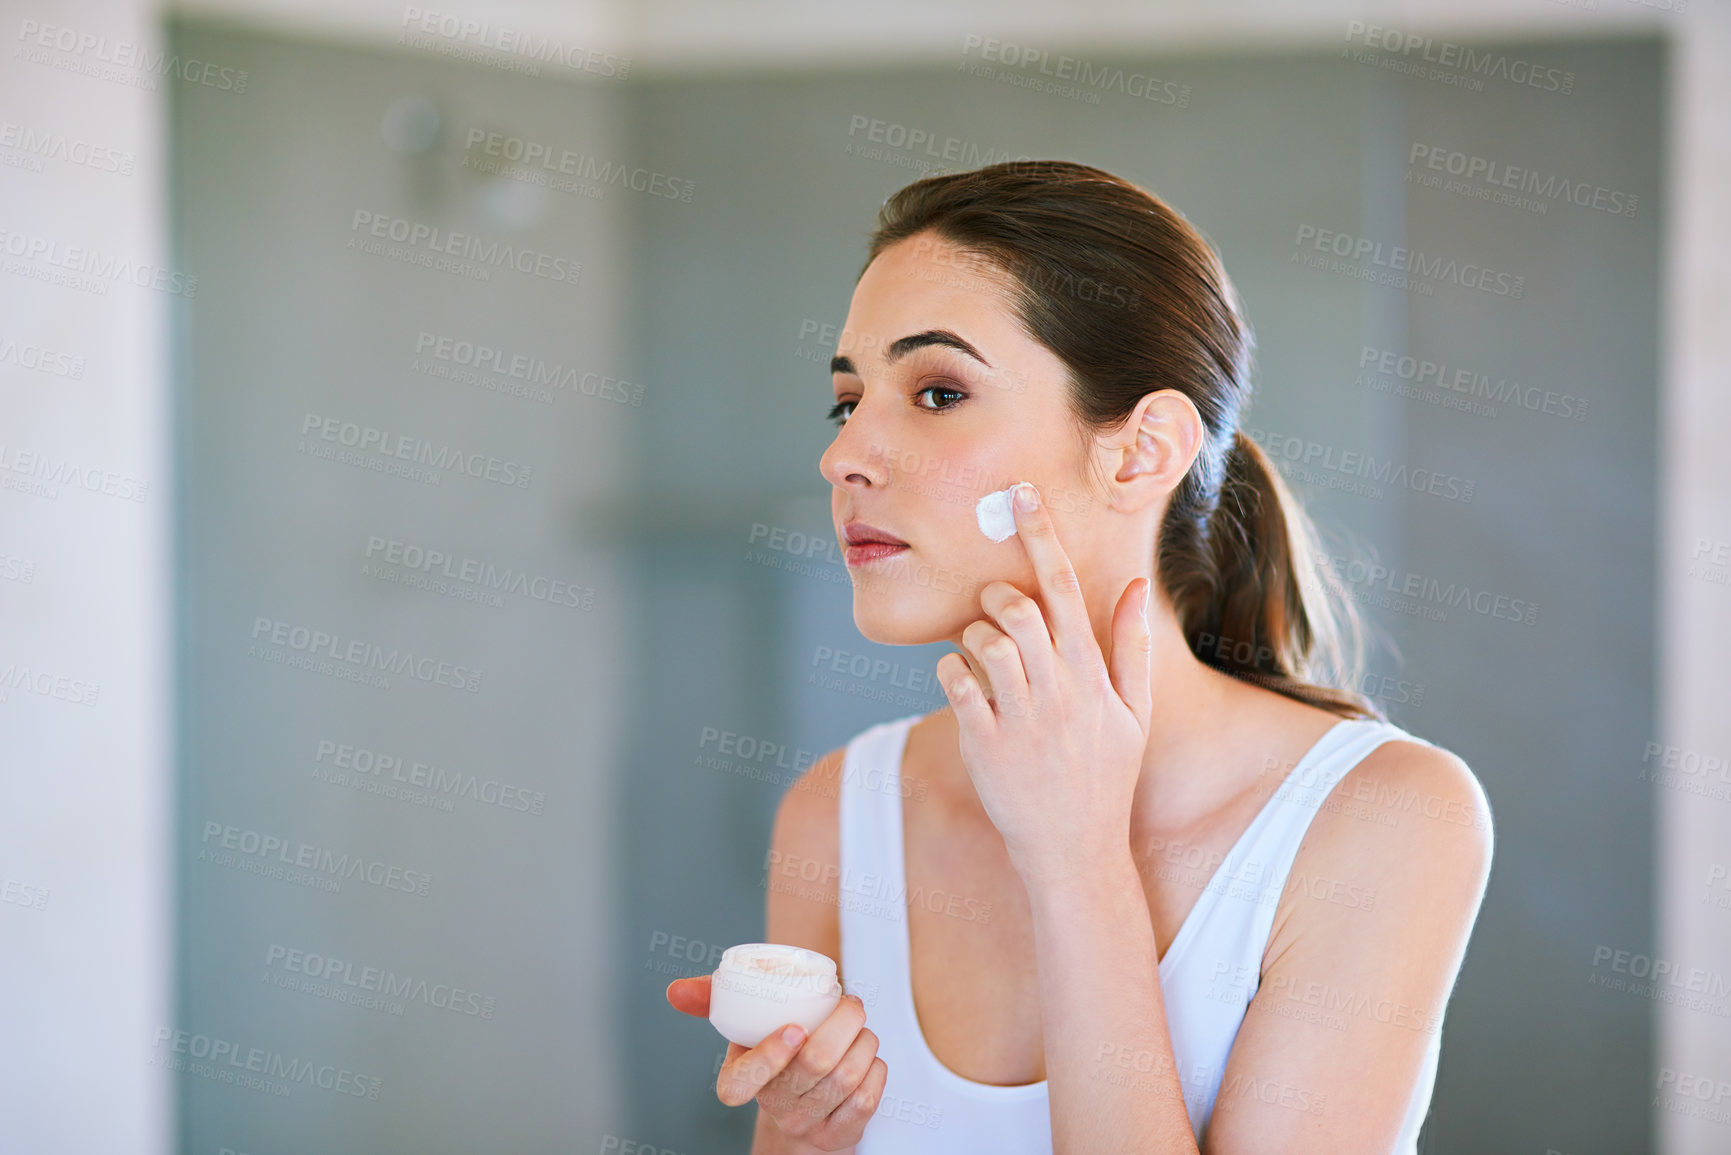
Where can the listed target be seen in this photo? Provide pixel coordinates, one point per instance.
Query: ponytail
(1241, 595)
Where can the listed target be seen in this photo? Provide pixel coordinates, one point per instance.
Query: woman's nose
(854, 458)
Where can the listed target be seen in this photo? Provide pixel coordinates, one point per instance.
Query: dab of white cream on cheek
(760, 987)
(996, 519)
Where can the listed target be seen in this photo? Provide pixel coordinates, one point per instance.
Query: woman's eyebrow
(902, 346)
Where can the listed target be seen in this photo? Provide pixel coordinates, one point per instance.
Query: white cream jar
(762, 986)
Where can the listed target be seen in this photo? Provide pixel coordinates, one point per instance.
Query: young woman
(1157, 879)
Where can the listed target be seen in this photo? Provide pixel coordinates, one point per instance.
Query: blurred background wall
(505, 602)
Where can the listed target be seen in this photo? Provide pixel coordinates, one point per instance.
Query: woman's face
(928, 428)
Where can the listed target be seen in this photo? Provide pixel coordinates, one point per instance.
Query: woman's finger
(1060, 589)
(1002, 658)
(1132, 650)
(1019, 616)
(967, 699)
(811, 1111)
(745, 1074)
(857, 1110)
(828, 1043)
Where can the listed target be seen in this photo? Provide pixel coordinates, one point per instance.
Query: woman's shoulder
(1407, 776)
(803, 866)
(1387, 882)
(800, 902)
(809, 812)
(1406, 829)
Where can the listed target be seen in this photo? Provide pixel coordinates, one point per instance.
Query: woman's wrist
(1080, 880)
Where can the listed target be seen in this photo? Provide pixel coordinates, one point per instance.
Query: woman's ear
(1153, 449)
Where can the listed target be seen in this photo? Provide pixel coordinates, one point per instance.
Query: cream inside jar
(760, 987)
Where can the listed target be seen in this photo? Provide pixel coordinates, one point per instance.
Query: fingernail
(792, 1036)
(1147, 589)
(1027, 498)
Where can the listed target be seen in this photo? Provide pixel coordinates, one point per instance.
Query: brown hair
(1132, 299)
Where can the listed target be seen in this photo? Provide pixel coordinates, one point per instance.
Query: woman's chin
(890, 621)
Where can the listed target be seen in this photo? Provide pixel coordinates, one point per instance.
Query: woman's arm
(1383, 895)
(807, 827)
(1352, 988)
(1113, 1081)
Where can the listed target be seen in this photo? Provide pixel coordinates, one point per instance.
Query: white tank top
(1208, 976)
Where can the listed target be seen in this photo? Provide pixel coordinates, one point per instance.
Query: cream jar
(762, 986)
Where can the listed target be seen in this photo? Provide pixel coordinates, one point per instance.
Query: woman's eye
(956, 395)
(943, 397)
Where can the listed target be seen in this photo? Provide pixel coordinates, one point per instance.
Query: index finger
(1060, 588)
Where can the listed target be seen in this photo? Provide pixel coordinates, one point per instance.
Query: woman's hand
(822, 1090)
(1056, 750)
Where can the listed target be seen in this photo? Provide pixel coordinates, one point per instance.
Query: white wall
(85, 694)
(1693, 900)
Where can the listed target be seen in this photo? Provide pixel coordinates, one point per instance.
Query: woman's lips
(867, 552)
(865, 544)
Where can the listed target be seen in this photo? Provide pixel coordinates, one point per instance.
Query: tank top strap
(1266, 854)
(872, 885)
